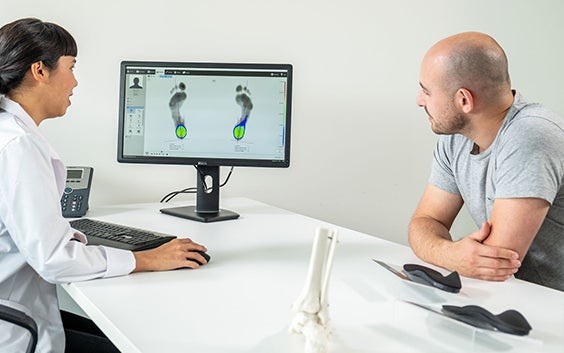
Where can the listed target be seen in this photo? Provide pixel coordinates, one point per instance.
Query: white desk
(241, 301)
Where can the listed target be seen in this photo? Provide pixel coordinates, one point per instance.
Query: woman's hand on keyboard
(177, 253)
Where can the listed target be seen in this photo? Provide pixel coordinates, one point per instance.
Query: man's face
(439, 105)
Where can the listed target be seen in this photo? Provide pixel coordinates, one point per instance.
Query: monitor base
(189, 212)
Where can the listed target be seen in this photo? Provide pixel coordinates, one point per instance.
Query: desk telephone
(74, 202)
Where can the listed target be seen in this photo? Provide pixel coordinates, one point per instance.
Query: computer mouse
(204, 255)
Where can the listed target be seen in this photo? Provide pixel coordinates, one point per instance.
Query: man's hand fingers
(482, 261)
(498, 253)
(500, 264)
(497, 278)
(494, 274)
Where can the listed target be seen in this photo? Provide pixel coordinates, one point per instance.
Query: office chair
(20, 318)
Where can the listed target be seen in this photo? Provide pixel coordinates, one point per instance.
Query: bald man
(500, 156)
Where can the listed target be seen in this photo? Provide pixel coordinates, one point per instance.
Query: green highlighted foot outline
(239, 129)
(181, 131)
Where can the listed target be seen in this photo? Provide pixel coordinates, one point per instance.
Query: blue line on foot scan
(239, 129)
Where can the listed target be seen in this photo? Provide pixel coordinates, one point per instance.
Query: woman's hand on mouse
(177, 253)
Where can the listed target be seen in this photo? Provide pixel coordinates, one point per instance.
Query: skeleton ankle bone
(316, 337)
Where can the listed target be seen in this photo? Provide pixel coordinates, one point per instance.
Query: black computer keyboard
(119, 236)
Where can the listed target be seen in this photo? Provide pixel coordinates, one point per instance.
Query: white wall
(361, 149)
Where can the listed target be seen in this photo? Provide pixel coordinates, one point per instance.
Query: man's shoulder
(535, 122)
(533, 132)
(535, 116)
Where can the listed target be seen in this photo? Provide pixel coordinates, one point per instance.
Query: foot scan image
(175, 103)
(243, 98)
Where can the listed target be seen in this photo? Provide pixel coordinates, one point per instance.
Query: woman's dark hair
(29, 40)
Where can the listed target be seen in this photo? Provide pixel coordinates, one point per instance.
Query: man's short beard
(454, 125)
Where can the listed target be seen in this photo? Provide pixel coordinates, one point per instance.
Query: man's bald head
(470, 60)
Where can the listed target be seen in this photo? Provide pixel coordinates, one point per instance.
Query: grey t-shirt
(526, 159)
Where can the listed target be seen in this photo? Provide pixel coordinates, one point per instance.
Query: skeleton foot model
(311, 308)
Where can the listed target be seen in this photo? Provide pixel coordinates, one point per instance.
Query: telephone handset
(74, 202)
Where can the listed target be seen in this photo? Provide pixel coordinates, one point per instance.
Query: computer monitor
(207, 115)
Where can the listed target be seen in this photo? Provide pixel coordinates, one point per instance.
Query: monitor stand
(207, 200)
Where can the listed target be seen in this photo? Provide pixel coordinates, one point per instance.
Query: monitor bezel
(237, 162)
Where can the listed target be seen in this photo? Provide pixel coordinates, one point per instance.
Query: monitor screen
(213, 114)
(207, 115)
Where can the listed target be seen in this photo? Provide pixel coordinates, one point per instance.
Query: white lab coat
(38, 248)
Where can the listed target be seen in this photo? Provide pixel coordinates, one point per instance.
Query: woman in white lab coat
(38, 248)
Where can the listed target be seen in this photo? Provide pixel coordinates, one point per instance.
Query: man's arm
(430, 239)
(515, 222)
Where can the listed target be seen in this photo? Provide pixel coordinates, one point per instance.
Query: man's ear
(39, 72)
(464, 100)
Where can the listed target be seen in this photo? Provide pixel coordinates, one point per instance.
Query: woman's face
(60, 85)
